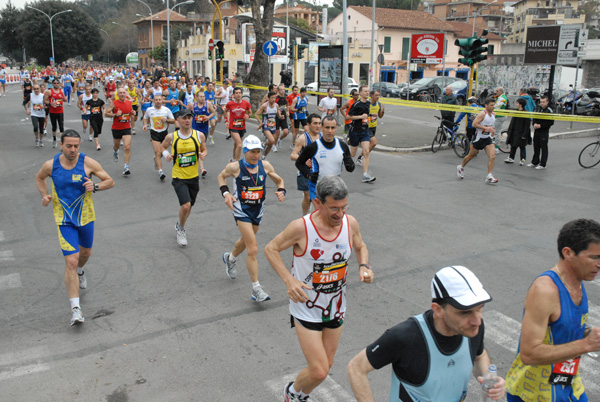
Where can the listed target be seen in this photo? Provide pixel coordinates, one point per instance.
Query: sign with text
(556, 44)
(427, 48)
(330, 68)
(280, 37)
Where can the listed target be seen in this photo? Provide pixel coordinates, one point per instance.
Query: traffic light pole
(296, 65)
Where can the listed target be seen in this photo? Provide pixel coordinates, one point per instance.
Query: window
(387, 44)
(351, 70)
(490, 49)
(405, 47)
(363, 73)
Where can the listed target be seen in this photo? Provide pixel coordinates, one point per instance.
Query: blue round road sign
(270, 48)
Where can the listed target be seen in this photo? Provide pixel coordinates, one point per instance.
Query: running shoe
(77, 317)
(82, 281)
(490, 179)
(126, 171)
(359, 161)
(540, 167)
(98, 148)
(292, 146)
(41, 143)
(278, 143)
(37, 142)
(116, 156)
(181, 239)
(509, 160)
(211, 140)
(531, 165)
(203, 172)
(54, 144)
(91, 138)
(133, 131)
(367, 178)
(227, 136)
(260, 295)
(45, 132)
(230, 268)
(460, 172)
(290, 397)
(522, 162)
(274, 148)
(162, 176)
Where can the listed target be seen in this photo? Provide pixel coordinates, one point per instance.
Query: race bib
(95, 110)
(199, 118)
(238, 123)
(158, 124)
(271, 123)
(330, 111)
(59, 102)
(187, 159)
(252, 195)
(38, 107)
(564, 372)
(373, 118)
(329, 278)
(124, 118)
(174, 102)
(302, 110)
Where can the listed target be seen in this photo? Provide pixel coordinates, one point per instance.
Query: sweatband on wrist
(166, 153)
(224, 189)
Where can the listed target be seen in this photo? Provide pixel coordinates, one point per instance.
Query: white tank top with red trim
(323, 266)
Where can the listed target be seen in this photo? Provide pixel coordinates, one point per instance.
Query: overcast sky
(21, 3)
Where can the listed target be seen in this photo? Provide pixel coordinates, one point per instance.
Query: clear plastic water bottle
(489, 380)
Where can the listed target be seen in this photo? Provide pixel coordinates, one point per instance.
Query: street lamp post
(107, 51)
(475, 12)
(169, 29)
(128, 36)
(151, 25)
(50, 18)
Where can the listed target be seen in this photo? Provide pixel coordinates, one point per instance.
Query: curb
(572, 134)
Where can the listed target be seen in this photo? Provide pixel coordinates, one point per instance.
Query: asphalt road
(165, 323)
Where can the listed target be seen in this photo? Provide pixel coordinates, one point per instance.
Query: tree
(75, 33)
(263, 30)
(301, 23)
(10, 44)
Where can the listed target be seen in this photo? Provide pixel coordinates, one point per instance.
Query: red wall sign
(427, 48)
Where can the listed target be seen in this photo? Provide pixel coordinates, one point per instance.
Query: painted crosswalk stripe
(505, 331)
(328, 390)
(7, 255)
(10, 281)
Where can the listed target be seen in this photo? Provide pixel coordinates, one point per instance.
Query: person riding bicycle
(472, 101)
(447, 115)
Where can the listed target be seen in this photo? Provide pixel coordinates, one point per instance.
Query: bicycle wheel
(502, 145)
(590, 155)
(461, 145)
(438, 140)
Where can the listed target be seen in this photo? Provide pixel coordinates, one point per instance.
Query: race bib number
(95, 110)
(329, 278)
(564, 372)
(302, 110)
(38, 107)
(187, 159)
(158, 123)
(252, 195)
(59, 102)
(271, 123)
(124, 118)
(238, 123)
(174, 102)
(373, 118)
(330, 111)
(199, 118)
(68, 81)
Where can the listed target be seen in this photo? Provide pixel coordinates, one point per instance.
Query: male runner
(209, 96)
(238, 111)
(171, 97)
(433, 354)
(73, 207)
(290, 100)
(360, 134)
(122, 112)
(85, 112)
(110, 89)
(266, 116)
(308, 137)
(328, 104)
(96, 108)
(247, 203)
(67, 82)
(54, 98)
(322, 243)
(186, 148)
(223, 97)
(299, 108)
(159, 118)
(376, 111)
(345, 107)
(27, 88)
(203, 113)
(134, 95)
(3, 80)
(554, 335)
(484, 123)
(281, 123)
(35, 108)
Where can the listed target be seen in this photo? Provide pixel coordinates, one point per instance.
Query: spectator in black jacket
(541, 134)
(448, 98)
(519, 134)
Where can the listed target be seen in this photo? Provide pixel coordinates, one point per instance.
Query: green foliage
(9, 22)
(301, 23)
(594, 33)
(75, 33)
(159, 52)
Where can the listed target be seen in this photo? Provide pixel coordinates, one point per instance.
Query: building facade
(543, 12)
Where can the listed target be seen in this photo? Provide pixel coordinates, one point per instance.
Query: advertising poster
(280, 35)
(313, 53)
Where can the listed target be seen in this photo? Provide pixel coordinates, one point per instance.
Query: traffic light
(209, 54)
(220, 53)
(301, 48)
(165, 53)
(472, 48)
(291, 50)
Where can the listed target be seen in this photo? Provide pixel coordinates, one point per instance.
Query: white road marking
(10, 281)
(329, 390)
(505, 331)
(25, 370)
(7, 255)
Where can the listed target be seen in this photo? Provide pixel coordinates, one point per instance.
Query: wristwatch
(367, 266)
(95, 187)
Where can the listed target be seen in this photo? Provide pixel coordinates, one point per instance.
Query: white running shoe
(460, 172)
(540, 167)
(368, 178)
(37, 142)
(522, 162)
(77, 317)
(82, 281)
(181, 239)
(91, 138)
(274, 149)
(531, 165)
(230, 269)
(211, 140)
(490, 179)
(260, 295)
(54, 144)
(509, 160)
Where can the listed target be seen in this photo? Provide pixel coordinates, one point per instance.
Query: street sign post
(211, 44)
(380, 58)
(270, 48)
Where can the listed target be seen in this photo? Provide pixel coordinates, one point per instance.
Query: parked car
(459, 89)
(351, 85)
(387, 89)
(428, 84)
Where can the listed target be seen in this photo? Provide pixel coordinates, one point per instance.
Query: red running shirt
(123, 121)
(236, 114)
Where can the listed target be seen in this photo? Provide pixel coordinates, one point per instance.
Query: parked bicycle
(590, 154)
(500, 142)
(457, 141)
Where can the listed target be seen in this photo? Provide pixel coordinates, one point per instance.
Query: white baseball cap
(459, 286)
(251, 142)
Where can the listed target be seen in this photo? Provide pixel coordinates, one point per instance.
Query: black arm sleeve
(306, 153)
(348, 162)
